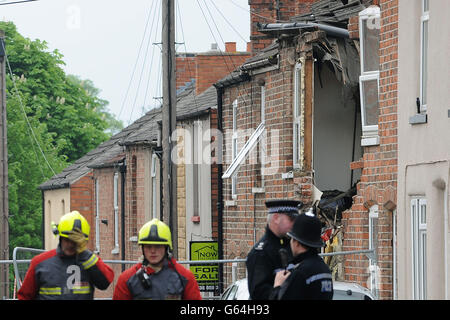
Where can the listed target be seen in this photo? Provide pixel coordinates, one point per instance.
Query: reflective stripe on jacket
(54, 276)
(173, 281)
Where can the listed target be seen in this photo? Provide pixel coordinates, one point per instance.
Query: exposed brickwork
(209, 67)
(82, 199)
(271, 11)
(135, 215)
(213, 122)
(245, 219)
(105, 179)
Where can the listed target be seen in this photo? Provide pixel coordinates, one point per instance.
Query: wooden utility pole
(4, 225)
(169, 121)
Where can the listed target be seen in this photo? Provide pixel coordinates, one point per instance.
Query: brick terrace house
(316, 110)
(291, 115)
(117, 185)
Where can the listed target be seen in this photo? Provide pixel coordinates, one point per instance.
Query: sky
(115, 43)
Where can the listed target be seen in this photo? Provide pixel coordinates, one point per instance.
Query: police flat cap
(289, 207)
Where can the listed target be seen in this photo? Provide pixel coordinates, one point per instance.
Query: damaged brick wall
(378, 185)
(270, 11)
(245, 217)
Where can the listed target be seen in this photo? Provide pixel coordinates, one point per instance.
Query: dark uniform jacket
(310, 279)
(263, 262)
(172, 282)
(54, 276)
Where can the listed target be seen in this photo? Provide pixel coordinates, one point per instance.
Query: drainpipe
(220, 187)
(43, 219)
(123, 170)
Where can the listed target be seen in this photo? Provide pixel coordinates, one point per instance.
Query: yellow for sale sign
(207, 275)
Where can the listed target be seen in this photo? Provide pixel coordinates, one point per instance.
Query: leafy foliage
(63, 114)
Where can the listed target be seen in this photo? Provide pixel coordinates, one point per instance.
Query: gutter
(122, 170)
(284, 27)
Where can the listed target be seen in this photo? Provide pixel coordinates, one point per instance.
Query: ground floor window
(419, 247)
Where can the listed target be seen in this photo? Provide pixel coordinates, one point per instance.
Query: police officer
(310, 279)
(264, 260)
(69, 272)
(159, 276)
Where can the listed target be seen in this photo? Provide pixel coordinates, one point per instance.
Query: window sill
(418, 119)
(257, 190)
(370, 141)
(230, 203)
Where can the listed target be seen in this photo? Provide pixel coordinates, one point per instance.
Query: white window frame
(154, 186)
(297, 120)
(263, 141)
(242, 155)
(370, 132)
(419, 248)
(263, 104)
(234, 150)
(116, 213)
(424, 20)
(373, 245)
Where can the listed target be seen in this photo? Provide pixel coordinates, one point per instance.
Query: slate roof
(334, 12)
(143, 130)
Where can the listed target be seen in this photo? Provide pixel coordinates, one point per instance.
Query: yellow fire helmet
(69, 222)
(155, 232)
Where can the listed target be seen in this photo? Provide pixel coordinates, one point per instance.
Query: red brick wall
(245, 221)
(135, 199)
(379, 174)
(105, 179)
(82, 199)
(185, 70)
(213, 123)
(211, 68)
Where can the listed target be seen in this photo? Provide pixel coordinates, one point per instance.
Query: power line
(136, 62)
(24, 112)
(221, 52)
(16, 2)
(257, 15)
(237, 32)
(143, 65)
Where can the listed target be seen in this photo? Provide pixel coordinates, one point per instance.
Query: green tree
(53, 119)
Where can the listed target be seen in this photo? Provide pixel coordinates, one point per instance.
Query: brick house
(291, 117)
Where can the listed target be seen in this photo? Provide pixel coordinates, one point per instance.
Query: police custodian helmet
(307, 230)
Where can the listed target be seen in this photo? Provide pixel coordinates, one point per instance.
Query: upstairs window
(425, 17)
(297, 130)
(369, 30)
(234, 150)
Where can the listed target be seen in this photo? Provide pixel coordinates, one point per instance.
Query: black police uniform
(264, 260)
(311, 278)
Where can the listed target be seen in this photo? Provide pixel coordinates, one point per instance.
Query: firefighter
(69, 272)
(264, 260)
(159, 276)
(310, 279)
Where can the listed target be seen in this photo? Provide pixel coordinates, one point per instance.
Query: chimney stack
(230, 46)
